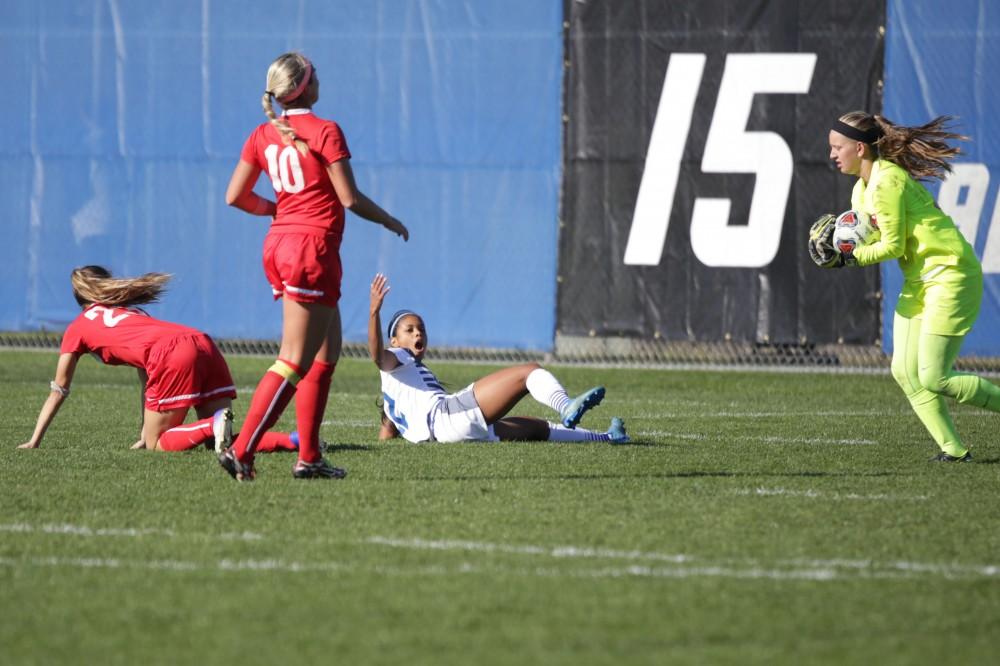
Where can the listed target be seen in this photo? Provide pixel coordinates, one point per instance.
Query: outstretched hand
(398, 228)
(380, 287)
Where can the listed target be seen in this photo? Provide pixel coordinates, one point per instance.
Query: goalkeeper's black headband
(865, 136)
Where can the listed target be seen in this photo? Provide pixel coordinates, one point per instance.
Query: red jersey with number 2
(307, 202)
(119, 336)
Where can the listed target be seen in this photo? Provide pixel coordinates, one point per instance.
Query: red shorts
(186, 370)
(303, 267)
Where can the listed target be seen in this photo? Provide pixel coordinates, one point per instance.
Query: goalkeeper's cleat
(947, 457)
(222, 428)
(236, 469)
(616, 432)
(581, 405)
(320, 469)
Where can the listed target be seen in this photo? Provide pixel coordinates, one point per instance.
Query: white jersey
(410, 394)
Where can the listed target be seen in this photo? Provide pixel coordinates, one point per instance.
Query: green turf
(756, 518)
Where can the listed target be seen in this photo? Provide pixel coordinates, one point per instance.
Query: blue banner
(128, 119)
(942, 59)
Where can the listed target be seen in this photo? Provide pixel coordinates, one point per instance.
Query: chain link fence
(625, 352)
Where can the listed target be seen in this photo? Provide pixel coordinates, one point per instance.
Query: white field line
(556, 551)
(640, 416)
(815, 494)
(126, 532)
(244, 565)
(334, 396)
(805, 570)
(671, 565)
(767, 439)
(811, 569)
(752, 414)
(353, 423)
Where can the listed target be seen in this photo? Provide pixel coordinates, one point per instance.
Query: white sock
(546, 389)
(560, 433)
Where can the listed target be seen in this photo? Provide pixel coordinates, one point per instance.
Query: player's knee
(527, 368)
(933, 380)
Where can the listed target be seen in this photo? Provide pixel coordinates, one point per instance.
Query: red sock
(276, 441)
(187, 436)
(310, 403)
(272, 395)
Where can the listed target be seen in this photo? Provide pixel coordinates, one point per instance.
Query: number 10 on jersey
(284, 168)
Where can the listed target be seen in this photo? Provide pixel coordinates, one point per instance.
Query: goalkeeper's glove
(821, 249)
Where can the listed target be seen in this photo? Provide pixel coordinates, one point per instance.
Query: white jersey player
(416, 406)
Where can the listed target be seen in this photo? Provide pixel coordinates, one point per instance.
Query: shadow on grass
(347, 447)
(633, 442)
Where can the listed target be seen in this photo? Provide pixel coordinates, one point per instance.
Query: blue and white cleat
(222, 428)
(581, 405)
(616, 431)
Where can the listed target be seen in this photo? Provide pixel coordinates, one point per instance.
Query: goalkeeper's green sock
(932, 410)
(909, 346)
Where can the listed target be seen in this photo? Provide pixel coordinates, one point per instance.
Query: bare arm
(342, 177)
(388, 430)
(60, 391)
(385, 360)
(240, 192)
(143, 380)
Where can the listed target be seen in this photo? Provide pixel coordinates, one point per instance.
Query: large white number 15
(729, 148)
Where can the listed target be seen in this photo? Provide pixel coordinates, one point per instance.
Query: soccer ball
(854, 229)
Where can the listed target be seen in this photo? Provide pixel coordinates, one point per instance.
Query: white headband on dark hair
(396, 316)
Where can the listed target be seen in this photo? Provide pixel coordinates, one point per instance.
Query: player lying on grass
(416, 406)
(179, 367)
(942, 278)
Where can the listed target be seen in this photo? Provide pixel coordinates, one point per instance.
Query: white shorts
(458, 418)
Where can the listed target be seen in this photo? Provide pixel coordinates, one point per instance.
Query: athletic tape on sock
(284, 369)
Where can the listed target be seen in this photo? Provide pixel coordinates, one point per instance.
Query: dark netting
(625, 352)
(618, 58)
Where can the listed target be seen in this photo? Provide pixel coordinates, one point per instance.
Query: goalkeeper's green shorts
(947, 300)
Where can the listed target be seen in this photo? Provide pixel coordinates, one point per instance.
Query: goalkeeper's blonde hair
(96, 285)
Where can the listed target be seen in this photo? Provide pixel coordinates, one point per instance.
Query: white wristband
(55, 388)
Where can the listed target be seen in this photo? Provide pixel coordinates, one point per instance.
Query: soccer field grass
(755, 518)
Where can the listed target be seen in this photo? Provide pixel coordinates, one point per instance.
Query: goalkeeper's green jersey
(913, 228)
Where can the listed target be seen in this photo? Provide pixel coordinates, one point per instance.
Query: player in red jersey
(179, 367)
(309, 166)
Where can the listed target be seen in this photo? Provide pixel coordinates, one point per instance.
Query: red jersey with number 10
(307, 202)
(119, 336)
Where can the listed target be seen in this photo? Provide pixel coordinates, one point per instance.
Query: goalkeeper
(942, 278)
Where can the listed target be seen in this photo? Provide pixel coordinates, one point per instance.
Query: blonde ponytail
(286, 74)
(95, 284)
